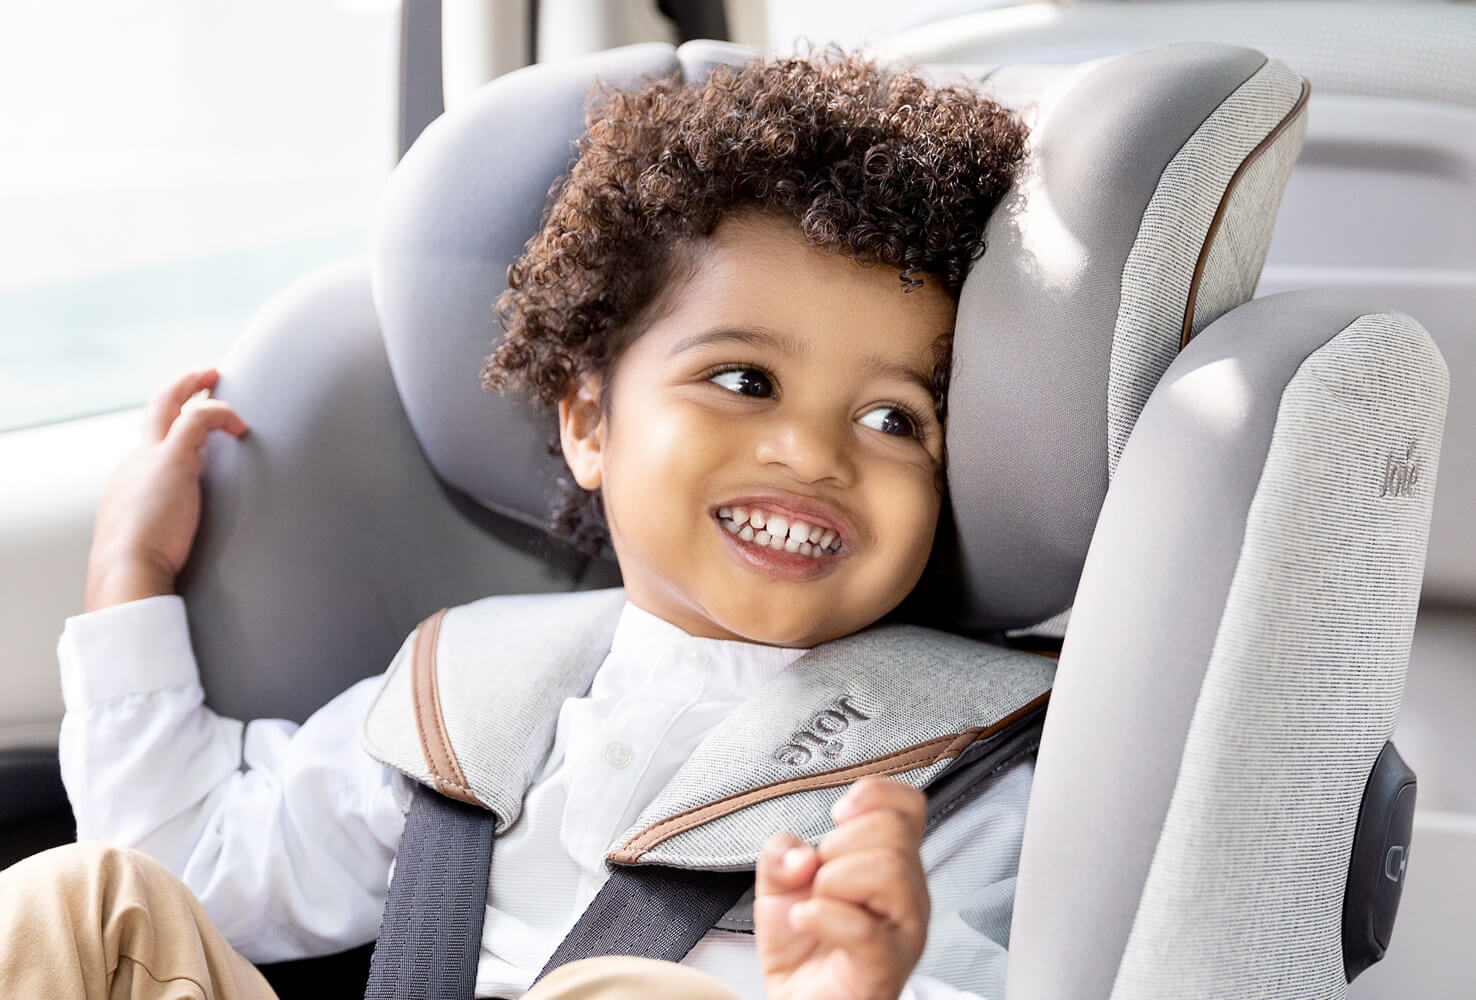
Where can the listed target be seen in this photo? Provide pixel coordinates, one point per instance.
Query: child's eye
(890, 420)
(745, 381)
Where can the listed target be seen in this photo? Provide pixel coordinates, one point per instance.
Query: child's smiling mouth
(778, 532)
(780, 541)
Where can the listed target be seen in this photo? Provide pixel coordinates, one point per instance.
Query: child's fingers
(197, 421)
(876, 828)
(164, 408)
(883, 793)
(786, 864)
(888, 883)
(836, 923)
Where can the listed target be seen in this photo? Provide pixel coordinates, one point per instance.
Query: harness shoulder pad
(469, 703)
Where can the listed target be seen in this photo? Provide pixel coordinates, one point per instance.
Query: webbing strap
(430, 936)
(652, 912)
(963, 782)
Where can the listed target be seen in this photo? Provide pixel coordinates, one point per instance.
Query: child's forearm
(139, 752)
(284, 832)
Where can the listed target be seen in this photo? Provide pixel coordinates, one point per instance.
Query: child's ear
(582, 431)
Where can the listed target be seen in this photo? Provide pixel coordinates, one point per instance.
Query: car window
(853, 23)
(171, 164)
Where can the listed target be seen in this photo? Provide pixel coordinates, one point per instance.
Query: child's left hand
(847, 919)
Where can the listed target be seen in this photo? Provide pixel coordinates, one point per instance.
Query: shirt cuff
(132, 648)
(920, 987)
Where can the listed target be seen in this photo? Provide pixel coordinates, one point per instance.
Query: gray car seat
(1382, 201)
(1233, 499)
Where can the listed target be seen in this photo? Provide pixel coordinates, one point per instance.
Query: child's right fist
(848, 919)
(150, 508)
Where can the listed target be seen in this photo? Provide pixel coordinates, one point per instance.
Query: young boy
(740, 306)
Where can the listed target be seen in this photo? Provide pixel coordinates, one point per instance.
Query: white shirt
(288, 833)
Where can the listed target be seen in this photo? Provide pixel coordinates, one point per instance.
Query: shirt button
(618, 754)
(699, 657)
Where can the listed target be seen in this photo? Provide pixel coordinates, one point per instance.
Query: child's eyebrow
(793, 348)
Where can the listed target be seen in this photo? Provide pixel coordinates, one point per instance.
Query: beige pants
(89, 921)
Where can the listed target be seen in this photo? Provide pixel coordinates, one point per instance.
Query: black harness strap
(430, 936)
(966, 779)
(650, 911)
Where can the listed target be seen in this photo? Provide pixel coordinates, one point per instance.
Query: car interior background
(1380, 201)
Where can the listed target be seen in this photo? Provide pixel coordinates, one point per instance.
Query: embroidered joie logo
(1401, 474)
(823, 728)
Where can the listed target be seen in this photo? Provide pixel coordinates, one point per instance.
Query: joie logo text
(1401, 474)
(821, 734)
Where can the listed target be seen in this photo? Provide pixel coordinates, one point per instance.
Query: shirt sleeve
(971, 859)
(928, 988)
(284, 832)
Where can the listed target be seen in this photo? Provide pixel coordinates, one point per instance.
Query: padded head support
(1144, 213)
(457, 212)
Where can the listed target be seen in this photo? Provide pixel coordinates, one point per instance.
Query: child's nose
(810, 449)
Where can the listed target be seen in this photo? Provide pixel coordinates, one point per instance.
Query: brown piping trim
(435, 745)
(907, 759)
(1187, 329)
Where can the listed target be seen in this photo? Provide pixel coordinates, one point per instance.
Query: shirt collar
(650, 652)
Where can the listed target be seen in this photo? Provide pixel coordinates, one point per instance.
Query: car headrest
(1143, 212)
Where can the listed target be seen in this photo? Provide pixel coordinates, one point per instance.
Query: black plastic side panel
(34, 813)
(1376, 868)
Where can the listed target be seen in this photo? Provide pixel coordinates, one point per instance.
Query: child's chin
(791, 630)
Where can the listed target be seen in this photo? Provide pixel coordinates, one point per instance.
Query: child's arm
(847, 919)
(286, 833)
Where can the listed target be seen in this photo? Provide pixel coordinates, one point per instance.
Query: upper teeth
(778, 532)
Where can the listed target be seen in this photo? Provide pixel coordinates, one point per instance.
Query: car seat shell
(466, 495)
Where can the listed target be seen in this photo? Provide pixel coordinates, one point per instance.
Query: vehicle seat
(1242, 598)
(1382, 201)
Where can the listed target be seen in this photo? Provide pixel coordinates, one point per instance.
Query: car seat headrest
(1143, 212)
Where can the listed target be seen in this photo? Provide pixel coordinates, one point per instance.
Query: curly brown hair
(876, 163)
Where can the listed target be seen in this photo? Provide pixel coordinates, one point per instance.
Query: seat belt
(431, 933)
(430, 936)
(650, 911)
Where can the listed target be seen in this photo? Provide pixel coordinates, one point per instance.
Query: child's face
(778, 378)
